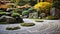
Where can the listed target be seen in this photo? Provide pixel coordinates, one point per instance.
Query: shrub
(17, 17)
(1, 10)
(15, 14)
(15, 28)
(28, 11)
(27, 24)
(56, 4)
(43, 5)
(21, 3)
(25, 12)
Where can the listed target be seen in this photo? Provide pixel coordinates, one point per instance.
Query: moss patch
(2, 12)
(27, 24)
(15, 28)
(39, 21)
(50, 18)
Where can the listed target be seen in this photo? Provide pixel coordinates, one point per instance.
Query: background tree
(56, 5)
(43, 7)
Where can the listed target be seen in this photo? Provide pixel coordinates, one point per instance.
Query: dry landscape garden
(29, 16)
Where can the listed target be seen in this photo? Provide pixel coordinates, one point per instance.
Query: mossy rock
(11, 20)
(7, 20)
(15, 28)
(27, 24)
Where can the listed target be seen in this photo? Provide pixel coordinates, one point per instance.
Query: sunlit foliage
(43, 5)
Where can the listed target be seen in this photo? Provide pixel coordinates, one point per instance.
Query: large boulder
(7, 19)
(10, 19)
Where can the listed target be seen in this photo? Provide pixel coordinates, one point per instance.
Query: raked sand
(46, 27)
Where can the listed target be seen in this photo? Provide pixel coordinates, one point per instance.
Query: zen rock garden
(29, 16)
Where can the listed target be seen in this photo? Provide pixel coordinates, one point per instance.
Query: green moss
(39, 21)
(50, 18)
(3, 23)
(2, 12)
(27, 24)
(36, 19)
(15, 28)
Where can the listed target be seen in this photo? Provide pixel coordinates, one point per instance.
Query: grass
(27, 24)
(15, 28)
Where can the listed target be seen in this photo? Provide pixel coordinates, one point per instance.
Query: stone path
(46, 27)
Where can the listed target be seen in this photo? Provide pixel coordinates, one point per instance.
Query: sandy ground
(46, 27)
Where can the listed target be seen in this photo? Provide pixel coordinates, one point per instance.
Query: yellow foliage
(43, 5)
